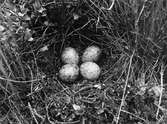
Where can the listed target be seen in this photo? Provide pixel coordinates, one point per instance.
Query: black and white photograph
(83, 61)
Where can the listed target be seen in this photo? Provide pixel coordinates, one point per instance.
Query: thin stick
(161, 90)
(133, 115)
(126, 82)
(111, 6)
(32, 112)
(15, 81)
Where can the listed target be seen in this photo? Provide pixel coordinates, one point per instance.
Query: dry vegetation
(132, 88)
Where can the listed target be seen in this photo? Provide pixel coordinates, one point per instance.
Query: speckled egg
(91, 53)
(69, 72)
(90, 70)
(70, 56)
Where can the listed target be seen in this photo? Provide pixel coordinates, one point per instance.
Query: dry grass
(132, 87)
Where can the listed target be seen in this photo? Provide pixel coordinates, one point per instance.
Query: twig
(80, 28)
(137, 21)
(32, 112)
(161, 90)
(111, 6)
(15, 81)
(133, 115)
(126, 82)
(143, 7)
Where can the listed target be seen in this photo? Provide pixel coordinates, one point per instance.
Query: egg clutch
(88, 69)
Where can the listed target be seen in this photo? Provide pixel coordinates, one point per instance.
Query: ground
(132, 87)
